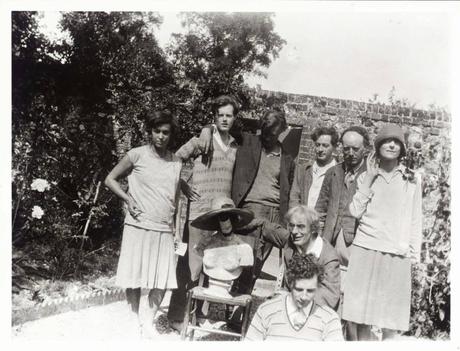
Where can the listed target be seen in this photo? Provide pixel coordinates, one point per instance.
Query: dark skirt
(377, 289)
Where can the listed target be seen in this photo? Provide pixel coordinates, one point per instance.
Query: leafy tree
(119, 68)
(214, 55)
(73, 105)
(78, 106)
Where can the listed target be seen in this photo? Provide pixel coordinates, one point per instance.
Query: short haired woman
(388, 205)
(147, 248)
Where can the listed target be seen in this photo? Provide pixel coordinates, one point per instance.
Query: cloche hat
(390, 131)
(220, 205)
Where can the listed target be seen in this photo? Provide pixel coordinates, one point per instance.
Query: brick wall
(312, 111)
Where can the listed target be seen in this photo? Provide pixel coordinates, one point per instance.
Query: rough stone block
(298, 107)
(439, 124)
(406, 120)
(375, 116)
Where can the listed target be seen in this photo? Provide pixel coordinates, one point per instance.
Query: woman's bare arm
(111, 181)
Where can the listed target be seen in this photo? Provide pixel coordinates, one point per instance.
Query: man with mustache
(338, 189)
(339, 186)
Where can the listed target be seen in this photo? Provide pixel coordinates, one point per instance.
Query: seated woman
(224, 253)
(302, 238)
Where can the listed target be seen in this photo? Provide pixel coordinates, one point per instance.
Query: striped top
(271, 322)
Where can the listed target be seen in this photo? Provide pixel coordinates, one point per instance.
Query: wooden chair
(198, 294)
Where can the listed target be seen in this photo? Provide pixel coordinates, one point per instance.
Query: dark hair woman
(147, 248)
(388, 205)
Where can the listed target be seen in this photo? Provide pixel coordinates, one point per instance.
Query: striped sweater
(271, 322)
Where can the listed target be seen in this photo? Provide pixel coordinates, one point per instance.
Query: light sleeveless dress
(147, 248)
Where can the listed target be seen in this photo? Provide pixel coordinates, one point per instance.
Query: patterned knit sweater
(210, 181)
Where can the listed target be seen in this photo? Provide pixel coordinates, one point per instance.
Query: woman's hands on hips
(133, 208)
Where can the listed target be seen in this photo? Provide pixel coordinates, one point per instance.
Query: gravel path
(112, 321)
(109, 322)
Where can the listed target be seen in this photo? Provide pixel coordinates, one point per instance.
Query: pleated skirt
(377, 290)
(146, 259)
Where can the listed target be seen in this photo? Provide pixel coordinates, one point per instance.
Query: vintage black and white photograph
(255, 174)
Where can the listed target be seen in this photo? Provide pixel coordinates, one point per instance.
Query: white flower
(37, 212)
(40, 185)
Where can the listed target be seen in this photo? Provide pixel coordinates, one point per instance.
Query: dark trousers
(261, 247)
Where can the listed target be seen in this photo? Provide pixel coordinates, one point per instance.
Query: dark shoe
(234, 326)
(176, 325)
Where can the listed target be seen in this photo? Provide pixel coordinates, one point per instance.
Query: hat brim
(210, 220)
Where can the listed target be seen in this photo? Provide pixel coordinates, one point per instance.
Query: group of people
(348, 231)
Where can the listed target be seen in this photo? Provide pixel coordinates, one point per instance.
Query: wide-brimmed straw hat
(221, 205)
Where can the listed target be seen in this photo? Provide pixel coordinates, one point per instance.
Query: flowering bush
(40, 185)
(37, 212)
(430, 315)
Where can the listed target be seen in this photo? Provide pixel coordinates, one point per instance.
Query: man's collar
(231, 140)
(292, 308)
(315, 247)
(323, 169)
(354, 169)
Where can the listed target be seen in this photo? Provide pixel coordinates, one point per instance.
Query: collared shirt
(350, 174)
(271, 322)
(297, 316)
(192, 148)
(315, 247)
(218, 139)
(318, 174)
(389, 213)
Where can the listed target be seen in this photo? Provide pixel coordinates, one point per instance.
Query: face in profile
(390, 150)
(224, 118)
(299, 230)
(353, 148)
(303, 291)
(324, 149)
(161, 135)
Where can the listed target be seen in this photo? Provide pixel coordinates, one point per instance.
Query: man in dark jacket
(302, 238)
(308, 178)
(262, 178)
(339, 186)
